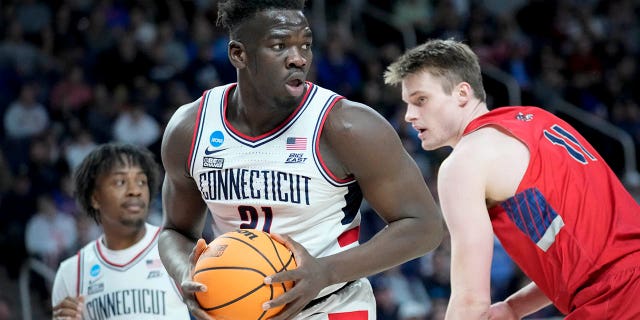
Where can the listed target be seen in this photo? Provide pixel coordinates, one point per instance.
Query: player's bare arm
(357, 142)
(479, 171)
(184, 210)
(461, 189)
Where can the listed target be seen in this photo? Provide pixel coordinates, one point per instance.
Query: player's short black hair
(232, 13)
(103, 159)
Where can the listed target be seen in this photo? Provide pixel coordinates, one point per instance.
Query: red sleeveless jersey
(571, 220)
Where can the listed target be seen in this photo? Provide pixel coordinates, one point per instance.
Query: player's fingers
(283, 276)
(195, 309)
(198, 249)
(290, 310)
(300, 253)
(66, 313)
(189, 287)
(287, 242)
(282, 299)
(201, 246)
(69, 304)
(291, 296)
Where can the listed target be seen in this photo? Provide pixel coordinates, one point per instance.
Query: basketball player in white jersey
(278, 153)
(120, 275)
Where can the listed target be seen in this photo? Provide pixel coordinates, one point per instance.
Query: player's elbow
(432, 233)
(426, 233)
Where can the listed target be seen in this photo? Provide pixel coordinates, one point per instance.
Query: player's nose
(296, 58)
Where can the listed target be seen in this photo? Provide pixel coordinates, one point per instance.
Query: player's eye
(278, 46)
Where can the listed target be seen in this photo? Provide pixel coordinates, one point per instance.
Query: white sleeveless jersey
(121, 284)
(275, 182)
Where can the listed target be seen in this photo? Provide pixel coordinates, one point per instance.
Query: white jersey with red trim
(120, 284)
(275, 182)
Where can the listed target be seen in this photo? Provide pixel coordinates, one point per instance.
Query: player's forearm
(528, 300)
(400, 241)
(174, 249)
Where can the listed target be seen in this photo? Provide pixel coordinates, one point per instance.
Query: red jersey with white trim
(571, 219)
(276, 182)
(121, 284)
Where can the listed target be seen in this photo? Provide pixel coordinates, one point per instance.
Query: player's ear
(463, 93)
(95, 204)
(237, 54)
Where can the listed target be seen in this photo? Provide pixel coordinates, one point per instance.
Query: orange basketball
(233, 268)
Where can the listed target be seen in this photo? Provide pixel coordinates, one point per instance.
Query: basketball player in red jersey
(530, 178)
(278, 153)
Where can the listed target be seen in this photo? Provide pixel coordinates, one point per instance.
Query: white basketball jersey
(121, 284)
(275, 182)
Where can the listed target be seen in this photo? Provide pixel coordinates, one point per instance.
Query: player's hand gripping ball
(233, 268)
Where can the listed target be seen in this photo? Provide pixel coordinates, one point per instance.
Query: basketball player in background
(525, 174)
(120, 275)
(277, 153)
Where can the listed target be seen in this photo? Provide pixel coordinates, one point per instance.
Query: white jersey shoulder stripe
(322, 167)
(197, 130)
(79, 274)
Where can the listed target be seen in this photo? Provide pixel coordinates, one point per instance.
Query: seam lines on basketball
(273, 245)
(285, 267)
(238, 298)
(257, 251)
(242, 296)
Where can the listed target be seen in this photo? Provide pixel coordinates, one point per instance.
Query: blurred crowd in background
(77, 73)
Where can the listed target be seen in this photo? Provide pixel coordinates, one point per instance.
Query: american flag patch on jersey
(296, 143)
(153, 263)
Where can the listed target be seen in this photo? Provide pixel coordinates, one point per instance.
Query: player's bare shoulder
(352, 136)
(346, 113)
(495, 154)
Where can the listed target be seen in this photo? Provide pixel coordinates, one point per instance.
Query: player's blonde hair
(450, 60)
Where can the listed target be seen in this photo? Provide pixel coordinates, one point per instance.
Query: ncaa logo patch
(216, 139)
(95, 270)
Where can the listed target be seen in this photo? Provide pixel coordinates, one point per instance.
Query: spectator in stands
(413, 310)
(50, 234)
(26, 116)
(71, 95)
(135, 126)
(80, 144)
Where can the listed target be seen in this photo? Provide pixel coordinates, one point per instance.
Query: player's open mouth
(295, 87)
(421, 132)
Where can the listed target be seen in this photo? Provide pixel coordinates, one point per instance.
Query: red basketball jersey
(571, 220)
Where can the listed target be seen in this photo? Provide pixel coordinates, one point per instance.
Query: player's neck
(253, 115)
(122, 239)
